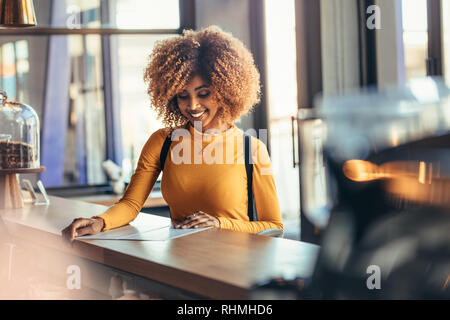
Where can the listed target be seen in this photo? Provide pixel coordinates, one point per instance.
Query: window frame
(434, 60)
(309, 83)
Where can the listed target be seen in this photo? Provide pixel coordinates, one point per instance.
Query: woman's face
(196, 104)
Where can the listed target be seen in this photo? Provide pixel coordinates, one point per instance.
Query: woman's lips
(199, 116)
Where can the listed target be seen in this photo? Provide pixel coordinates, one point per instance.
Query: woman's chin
(201, 124)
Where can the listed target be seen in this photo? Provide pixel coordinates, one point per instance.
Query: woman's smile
(196, 103)
(199, 115)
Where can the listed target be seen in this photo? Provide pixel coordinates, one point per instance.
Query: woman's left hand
(198, 219)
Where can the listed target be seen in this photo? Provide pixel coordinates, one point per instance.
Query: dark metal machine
(386, 183)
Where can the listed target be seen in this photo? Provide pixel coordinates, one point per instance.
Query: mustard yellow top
(202, 172)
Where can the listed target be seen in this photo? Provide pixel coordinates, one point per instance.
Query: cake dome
(19, 135)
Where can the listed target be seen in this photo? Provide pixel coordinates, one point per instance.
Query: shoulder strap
(251, 208)
(165, 151)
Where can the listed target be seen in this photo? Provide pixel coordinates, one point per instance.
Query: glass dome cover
(19, 135)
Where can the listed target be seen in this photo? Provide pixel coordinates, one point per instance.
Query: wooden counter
(218, 264)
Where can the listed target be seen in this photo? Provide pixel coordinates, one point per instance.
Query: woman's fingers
(85, 230)
(189, 220)
(196, 215)
(78, 224)
(209, 223)
(78, 227)
(69, 232)
(198, 220)
(193, 217)
(193, 221)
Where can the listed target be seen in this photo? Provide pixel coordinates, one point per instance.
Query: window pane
(147, 14)
(446, 38)
(14, 69)
(123, 14)
(22, 69)
(85, 137)
(8, 70)
(138, 119)
(82, 13)
(74, 118)
(282, 103)
(415, 37)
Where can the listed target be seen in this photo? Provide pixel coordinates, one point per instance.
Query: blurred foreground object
(388, 159)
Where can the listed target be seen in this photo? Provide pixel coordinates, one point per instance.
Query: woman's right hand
(82, 226)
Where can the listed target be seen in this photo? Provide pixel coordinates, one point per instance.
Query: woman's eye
(203, 94)
(182, 96)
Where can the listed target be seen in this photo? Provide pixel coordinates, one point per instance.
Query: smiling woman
(199, 84)
(221, 62)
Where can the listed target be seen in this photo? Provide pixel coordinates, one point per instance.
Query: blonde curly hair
(219, 58)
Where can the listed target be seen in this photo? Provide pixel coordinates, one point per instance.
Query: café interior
(354, 112)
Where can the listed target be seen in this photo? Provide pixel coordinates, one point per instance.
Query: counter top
(214, 263)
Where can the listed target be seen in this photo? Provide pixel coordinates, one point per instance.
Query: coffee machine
(385, 179)
(388, 157)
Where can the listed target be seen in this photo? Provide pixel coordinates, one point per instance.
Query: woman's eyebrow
(201, 87)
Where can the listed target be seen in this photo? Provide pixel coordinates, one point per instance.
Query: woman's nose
(194, 104)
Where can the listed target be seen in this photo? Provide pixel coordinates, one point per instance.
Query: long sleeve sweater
(202, 172)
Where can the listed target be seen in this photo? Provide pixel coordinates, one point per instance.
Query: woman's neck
(218, 128)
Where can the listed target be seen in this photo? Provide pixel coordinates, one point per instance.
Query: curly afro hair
(219, 58)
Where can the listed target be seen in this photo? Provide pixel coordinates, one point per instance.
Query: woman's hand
(82, 226)
(198, 219)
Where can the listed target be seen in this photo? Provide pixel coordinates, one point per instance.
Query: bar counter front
(211, 264)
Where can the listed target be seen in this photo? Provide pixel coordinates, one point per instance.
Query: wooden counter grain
(214, 263)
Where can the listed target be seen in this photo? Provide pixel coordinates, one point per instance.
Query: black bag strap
(251, 208)
(164, 151)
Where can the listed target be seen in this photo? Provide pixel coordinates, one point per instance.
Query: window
(152, 14)
(121, 14)
(426, 38)
(8, 69)
(81, 69)
(282, 101)
(14, 68)
(415, 37)
(22, 69)
(85, 146)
